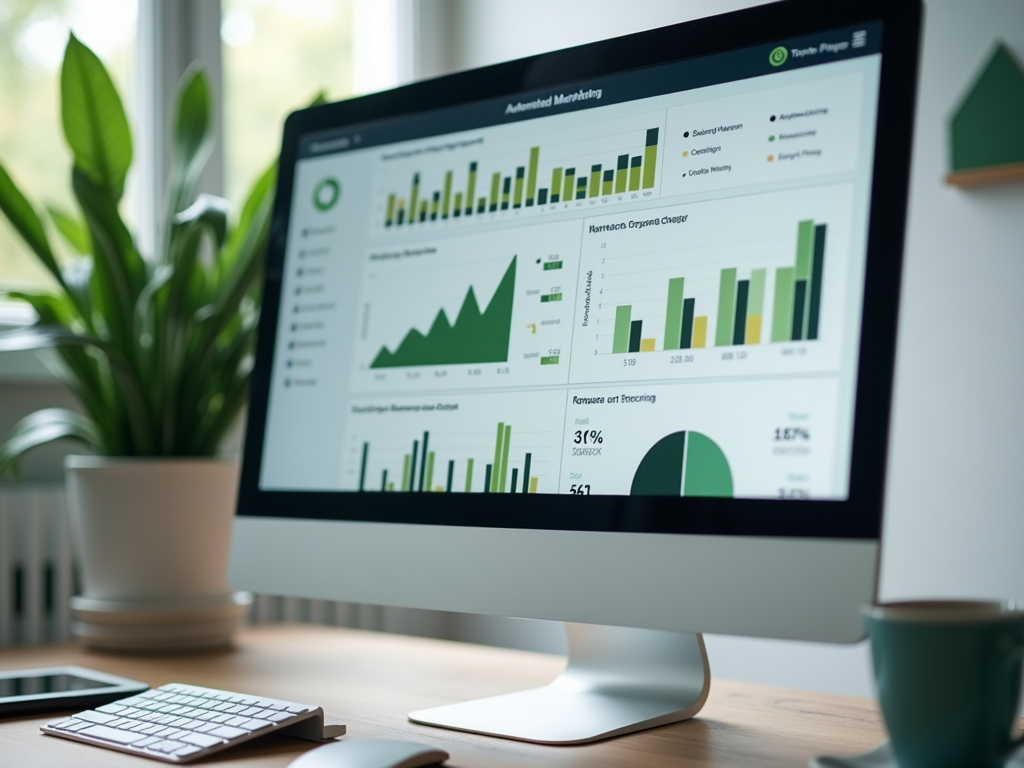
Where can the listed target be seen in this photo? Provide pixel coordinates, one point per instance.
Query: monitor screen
(638, 287)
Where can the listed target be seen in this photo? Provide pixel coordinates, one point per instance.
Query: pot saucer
(160, 611)
(158, 625)
(882, 757)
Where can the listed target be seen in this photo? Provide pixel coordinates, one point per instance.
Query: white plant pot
(152, 537)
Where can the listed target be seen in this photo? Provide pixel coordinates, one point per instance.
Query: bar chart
(617, 167)
(738, 281)
(454, 445)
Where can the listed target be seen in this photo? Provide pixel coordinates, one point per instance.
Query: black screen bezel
(857, 517)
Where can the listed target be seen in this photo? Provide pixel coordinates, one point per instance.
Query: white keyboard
(179, 723)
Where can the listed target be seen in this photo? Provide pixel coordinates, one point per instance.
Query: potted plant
(157, 349)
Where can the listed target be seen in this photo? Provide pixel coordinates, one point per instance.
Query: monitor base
(618, 680)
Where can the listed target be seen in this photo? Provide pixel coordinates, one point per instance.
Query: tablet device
(56, 688)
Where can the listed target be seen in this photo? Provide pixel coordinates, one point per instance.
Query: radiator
(37, 577)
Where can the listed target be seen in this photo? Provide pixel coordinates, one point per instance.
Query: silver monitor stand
(617, 680)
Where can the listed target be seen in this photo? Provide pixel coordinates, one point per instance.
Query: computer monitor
(604, 335)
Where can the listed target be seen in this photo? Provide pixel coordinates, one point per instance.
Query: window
(33, 34)
(278, 54)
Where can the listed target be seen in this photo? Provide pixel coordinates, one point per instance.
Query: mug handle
(1013, 744)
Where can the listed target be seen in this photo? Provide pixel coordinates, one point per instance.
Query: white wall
(954, 523)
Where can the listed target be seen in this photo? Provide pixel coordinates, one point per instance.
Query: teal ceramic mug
(949, 680)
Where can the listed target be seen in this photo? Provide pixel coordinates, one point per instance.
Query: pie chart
(683, 464)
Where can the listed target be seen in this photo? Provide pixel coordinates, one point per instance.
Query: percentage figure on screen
(588, 437)
(792, 433)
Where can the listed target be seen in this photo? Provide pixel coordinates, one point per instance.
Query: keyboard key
(207, 727)
(227, 732)
(63, 723)
(186, 750)
(191, 725)
(77, 726)
(207, 716)
(255, 725)
(147, 741)
(151, 729)
(165, 746)
(235, 722)
(95, 717)
(111, 709)
(250, 712)
(121, 722)
(298, 709)
(111, 734)
(279, 717)
(201, 740)
(236, 710)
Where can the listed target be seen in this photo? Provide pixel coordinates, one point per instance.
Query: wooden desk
(370, 681)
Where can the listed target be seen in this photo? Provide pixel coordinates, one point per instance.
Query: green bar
(495, 183)
(650, 157)
(804, 249)
(549, 360)
(391, 486)
(471, 188)
(430, 473)
(518, 199)
(401, 213)
(726, 307)
(581, 188)
(542, 196)
(549, 265)
(621, 174)
(446, 200)
(674, 312)
(570, 184)
(390, 215)
(506, 190)
(556, 184)
(406, 463)
(634, 173)
(451, 474)
(635, 334)
(423, 460)
(414, 196)
(503, 479)
(469, 475)
(739, 333)
(545, 298)
(458, 204)
(497, 455)
(755, 302)
(814, 308)
(362, 468)
(481, 205)
(515, 480)
(799, 309)
(782, 307)
(620, 341)
(412, 465)
(384, 481)
(606, 183)
(531, 177)
(686, 336)
(488, 479)
(595, 180)
(434, 203)
(423, 210)
(526, 473)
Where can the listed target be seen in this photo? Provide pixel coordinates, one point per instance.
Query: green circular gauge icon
(778, 56)
(326, 194)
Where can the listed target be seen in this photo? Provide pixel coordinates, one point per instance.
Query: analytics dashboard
(640, 285)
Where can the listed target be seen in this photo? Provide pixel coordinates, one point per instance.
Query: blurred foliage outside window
(277, 55)
(33, 34)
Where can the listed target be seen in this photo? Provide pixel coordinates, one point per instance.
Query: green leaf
(207, 211)
(26, 222)
(95, 125)
(73, 229)
(44, 427)
(192, 135)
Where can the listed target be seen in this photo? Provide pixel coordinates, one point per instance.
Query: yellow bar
(646, 345)
(533, 484)
(700, 332)
(753, 329)
(438, 489)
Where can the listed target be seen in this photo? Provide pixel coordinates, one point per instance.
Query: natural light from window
(278, 54)
(33, 34)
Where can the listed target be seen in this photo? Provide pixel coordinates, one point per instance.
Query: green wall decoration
(986, 138)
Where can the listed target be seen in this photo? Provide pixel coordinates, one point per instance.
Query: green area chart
(475, 337)
(683, 464)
